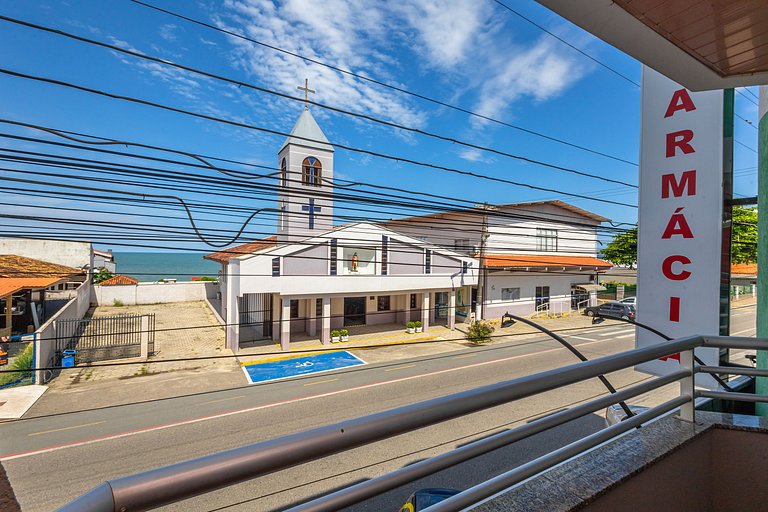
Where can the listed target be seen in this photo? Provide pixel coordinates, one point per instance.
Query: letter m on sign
(687, 182)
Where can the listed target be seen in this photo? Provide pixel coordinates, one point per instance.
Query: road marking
(611, 333)
(582, 338)
(191, 421)
(400, 367)
(464, 356)
(223, 399)
(319, 382)
(743, 332)
(630, 335)
(66, 428)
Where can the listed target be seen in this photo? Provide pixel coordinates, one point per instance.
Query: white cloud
(168, 32)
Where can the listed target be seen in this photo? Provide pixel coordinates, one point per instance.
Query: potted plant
(344, 335)
(335, 336)
(410, 327)
(417, 324)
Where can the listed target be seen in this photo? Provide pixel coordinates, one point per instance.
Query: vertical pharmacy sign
(680, 216)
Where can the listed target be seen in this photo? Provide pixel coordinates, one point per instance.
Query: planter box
(345, 338)
(335, 339)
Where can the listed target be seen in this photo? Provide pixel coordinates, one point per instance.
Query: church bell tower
(305, 181)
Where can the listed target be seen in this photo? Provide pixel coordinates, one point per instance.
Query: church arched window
(311, 172)
(283, 174)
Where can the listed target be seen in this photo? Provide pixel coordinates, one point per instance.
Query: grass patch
(118, 303)
(22, 362)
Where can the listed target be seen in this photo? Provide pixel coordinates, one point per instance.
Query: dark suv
(612, 310)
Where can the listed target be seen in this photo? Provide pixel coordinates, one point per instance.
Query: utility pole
(482, 277)
(761, 383)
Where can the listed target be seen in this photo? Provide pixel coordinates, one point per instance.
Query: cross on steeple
(306, 90)
(312, 209)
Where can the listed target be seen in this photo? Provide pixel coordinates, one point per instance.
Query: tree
(744, 235)
(102, 275)
(622, 250)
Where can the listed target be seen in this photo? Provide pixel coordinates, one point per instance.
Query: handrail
(172, 483)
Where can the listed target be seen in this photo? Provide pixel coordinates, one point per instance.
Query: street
(53, 459)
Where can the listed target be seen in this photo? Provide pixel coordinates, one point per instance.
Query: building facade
(312, 277)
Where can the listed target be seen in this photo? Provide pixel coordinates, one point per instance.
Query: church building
(313, 276)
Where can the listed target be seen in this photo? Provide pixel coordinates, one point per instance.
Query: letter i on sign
(674, 309)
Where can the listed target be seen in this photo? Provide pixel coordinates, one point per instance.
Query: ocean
(151, 266)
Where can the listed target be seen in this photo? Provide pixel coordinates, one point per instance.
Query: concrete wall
(153, 293)
(404, 259)
(313, 262)
(76, 308)
(559, 292)
(71, 254)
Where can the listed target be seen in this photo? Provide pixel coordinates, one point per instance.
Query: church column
(285, 324)
(452, 309)
(276, 311)
(407, 307)
(232, 319)
(312, 322)
(325, 335)
(425, 311)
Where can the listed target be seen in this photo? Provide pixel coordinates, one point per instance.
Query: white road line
(744, 331)
(275, 404)
(630, 335)
(66, 428)
(611, 333)
(581, 338)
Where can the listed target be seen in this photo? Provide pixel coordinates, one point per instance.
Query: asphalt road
(51, 460)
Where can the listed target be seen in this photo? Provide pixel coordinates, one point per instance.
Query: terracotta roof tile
(20, 266)
(9, 285)
(119, 279)
(744, 269)
(523, 261)
(240, 250)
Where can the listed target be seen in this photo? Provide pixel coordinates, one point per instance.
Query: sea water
(152, 266)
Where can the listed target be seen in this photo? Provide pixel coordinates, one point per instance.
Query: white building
(313, 277)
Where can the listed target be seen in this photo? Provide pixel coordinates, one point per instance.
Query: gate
(255, 316)
(105, 337)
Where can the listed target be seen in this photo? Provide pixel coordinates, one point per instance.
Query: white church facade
(314, 277)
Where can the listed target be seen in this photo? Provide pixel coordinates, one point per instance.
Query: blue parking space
(293, 367)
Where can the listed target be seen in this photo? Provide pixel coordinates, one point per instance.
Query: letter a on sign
(680, 218)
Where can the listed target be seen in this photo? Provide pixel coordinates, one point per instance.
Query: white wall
(75, 309)
(151, 293)
(559, 292)
(71, 254)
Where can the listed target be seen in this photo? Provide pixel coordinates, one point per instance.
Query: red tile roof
(524, 261)
(119, 280)
(240, 250)
(749, 269)
(20, 266)
(9, 285)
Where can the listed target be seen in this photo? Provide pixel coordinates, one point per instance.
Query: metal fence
(173, 483)
(105, 337)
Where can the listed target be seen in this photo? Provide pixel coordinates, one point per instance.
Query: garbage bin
(68, 358)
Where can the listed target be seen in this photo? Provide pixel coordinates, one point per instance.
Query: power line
(593, 59)
(371, 80)
(283, 134)
(240, 83)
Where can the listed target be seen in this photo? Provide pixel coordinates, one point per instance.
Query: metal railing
(144, 491)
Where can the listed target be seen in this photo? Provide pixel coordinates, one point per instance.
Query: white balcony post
(687, 387)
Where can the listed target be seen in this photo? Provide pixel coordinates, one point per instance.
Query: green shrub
(118, 303)
(22, 362)
(344, 332)
(207, 278)
(335, 334)
(411, 325)
(102, 275)
(417, 324)
(479, 333)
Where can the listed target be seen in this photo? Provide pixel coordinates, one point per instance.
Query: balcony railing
(150, 489)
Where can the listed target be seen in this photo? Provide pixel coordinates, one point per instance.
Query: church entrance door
(354, 311)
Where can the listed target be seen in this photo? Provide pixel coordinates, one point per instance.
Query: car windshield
(428, 499)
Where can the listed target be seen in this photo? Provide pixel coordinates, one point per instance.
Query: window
(275, 267)
(319, 308)
(383, 304)
(294, 308)
(428, 262)
(413, 301)
(464, 267)
(283, 216)
(283, 174)
(542, 295)
(311, 172)
(510, 293)
(384, 255)
(546, 240)
(333, 256)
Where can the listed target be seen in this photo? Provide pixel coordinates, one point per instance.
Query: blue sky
(473, 54)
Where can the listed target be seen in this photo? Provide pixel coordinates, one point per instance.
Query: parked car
(612, 310)
(632, 301)
(424, 498)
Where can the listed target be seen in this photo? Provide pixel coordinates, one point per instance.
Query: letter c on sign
(666, 267)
